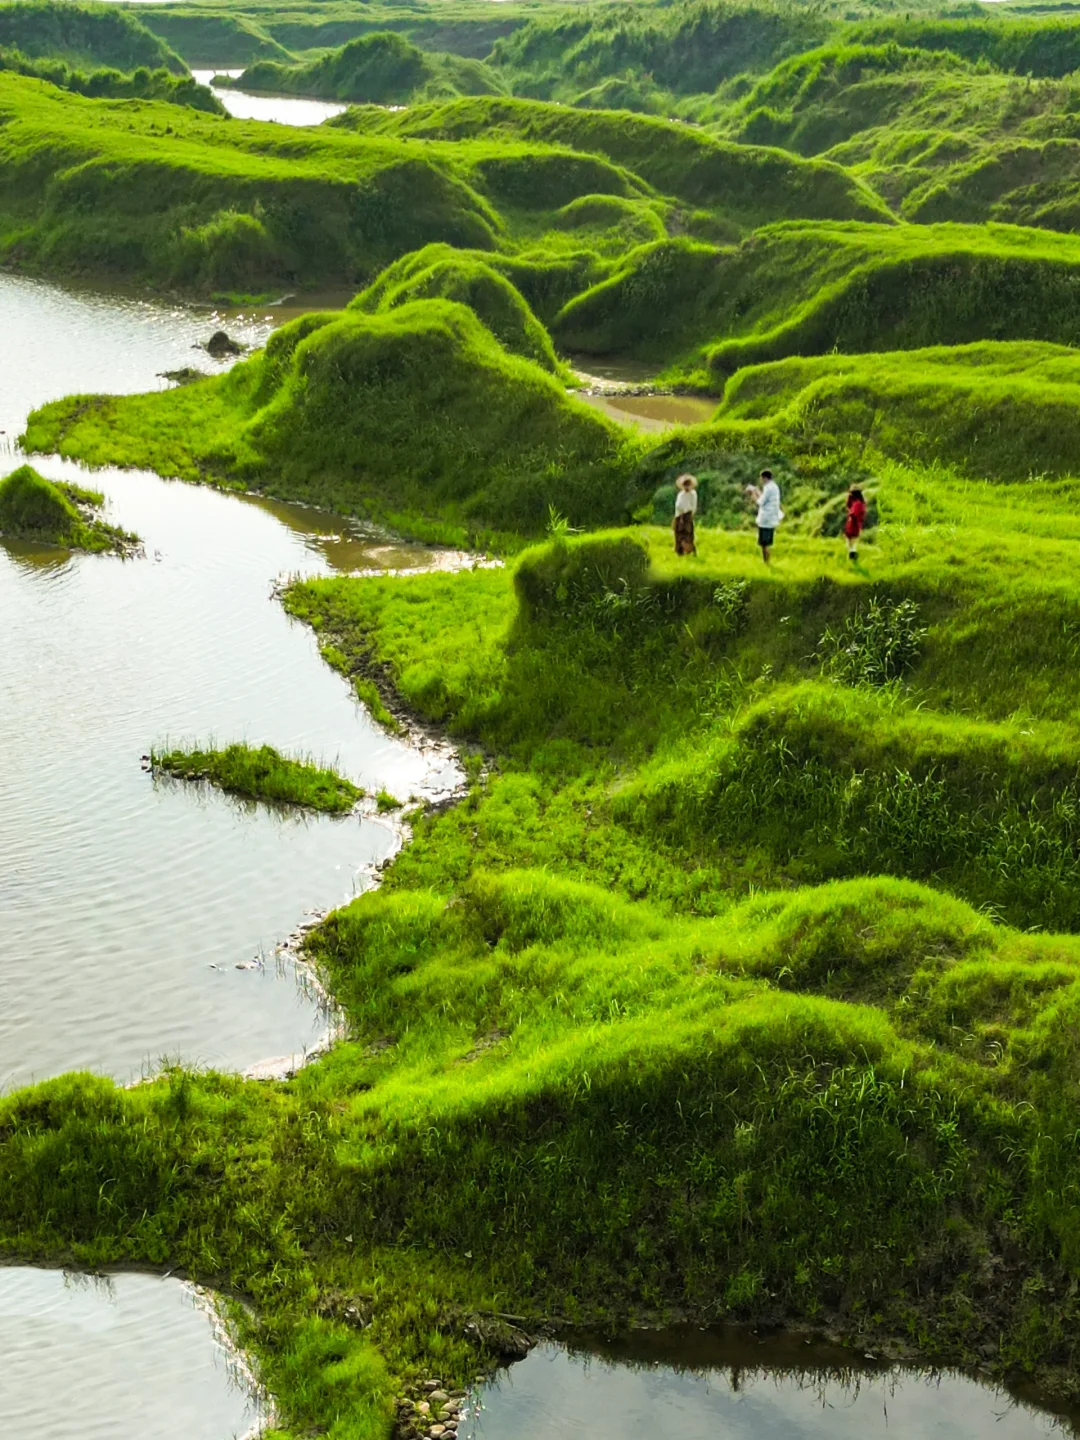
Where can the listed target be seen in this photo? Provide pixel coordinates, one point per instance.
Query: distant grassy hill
(84, 36)
(154, 195)
(937, 137)
(141, 84)
(380, 69)
(744, 184)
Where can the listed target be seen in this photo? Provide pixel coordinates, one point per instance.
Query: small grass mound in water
(262, 773)
(33, 508)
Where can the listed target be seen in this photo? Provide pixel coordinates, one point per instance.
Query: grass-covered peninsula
(57, 514)
(259, 772)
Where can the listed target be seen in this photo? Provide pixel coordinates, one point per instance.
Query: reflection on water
(122, 1357)
(285, 109)
(126, 906)
(698, 1385)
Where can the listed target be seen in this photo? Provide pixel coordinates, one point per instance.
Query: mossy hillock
(439, 272)
(379, 69)
(56, 514)
(84, 36)
(415, 411)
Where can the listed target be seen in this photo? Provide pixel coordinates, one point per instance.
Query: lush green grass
(415, 410)
(261, 773)
(742, 185)
(605, 1050)
(379, 69)
(141, 84)
(57, 514)
(810, 288)
(989, 411)
(440, 272)
(84, 36)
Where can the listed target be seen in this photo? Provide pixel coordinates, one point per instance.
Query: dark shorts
(765, 537)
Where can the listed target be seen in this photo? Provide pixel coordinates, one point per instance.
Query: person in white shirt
(769, 513)
(685, 509)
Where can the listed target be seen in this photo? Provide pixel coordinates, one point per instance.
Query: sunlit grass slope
(800, 288)
(415, 412)
(936, 137)
(746, 185)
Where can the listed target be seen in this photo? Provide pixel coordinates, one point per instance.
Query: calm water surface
(285, 109)
(123, 1357)
(697, 1386)
(126, 905)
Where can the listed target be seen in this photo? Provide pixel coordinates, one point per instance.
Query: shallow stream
(125, 904)
(285, 109)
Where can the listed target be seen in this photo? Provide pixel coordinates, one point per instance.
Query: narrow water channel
(126, 905)
(697, 1385)
(284, 109)
(121, 1357)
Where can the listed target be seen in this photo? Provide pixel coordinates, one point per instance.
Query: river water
(121, 1357)
(284, 109)
(126, 905)
(697, 1385)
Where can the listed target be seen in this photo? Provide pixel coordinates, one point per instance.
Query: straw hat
(686, 482)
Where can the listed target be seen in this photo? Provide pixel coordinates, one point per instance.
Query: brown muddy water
(119, 1357)
(284, 109)
(653, 412)
(126, 905)
(693, 1385)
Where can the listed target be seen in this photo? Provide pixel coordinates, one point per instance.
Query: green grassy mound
(416, 411)
(379, 69)
(217, 38)
(747, 185)
(141, 84)
(999, 411)
(808, 289)
(441, 273)
(56, 514)
(84, 36)
(261, 773)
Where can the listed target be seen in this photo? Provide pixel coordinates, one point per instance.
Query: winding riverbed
(126, 905)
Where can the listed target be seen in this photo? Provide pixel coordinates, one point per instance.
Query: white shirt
(686, 500)
(769, 513)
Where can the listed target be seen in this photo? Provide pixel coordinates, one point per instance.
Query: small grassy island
(50, 512)
(262, 773)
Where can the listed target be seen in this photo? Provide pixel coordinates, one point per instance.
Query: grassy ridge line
(84, 36)
(809, 288)
(748, 185)
(415, 414)
(379, 69)
(1000, 412)
(261, 773)
(141, 84)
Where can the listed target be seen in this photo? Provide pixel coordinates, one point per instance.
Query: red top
(856, 519)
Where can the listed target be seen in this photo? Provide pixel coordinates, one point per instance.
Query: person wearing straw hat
(685, 509)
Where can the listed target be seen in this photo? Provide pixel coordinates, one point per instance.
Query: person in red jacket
(856, 519)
